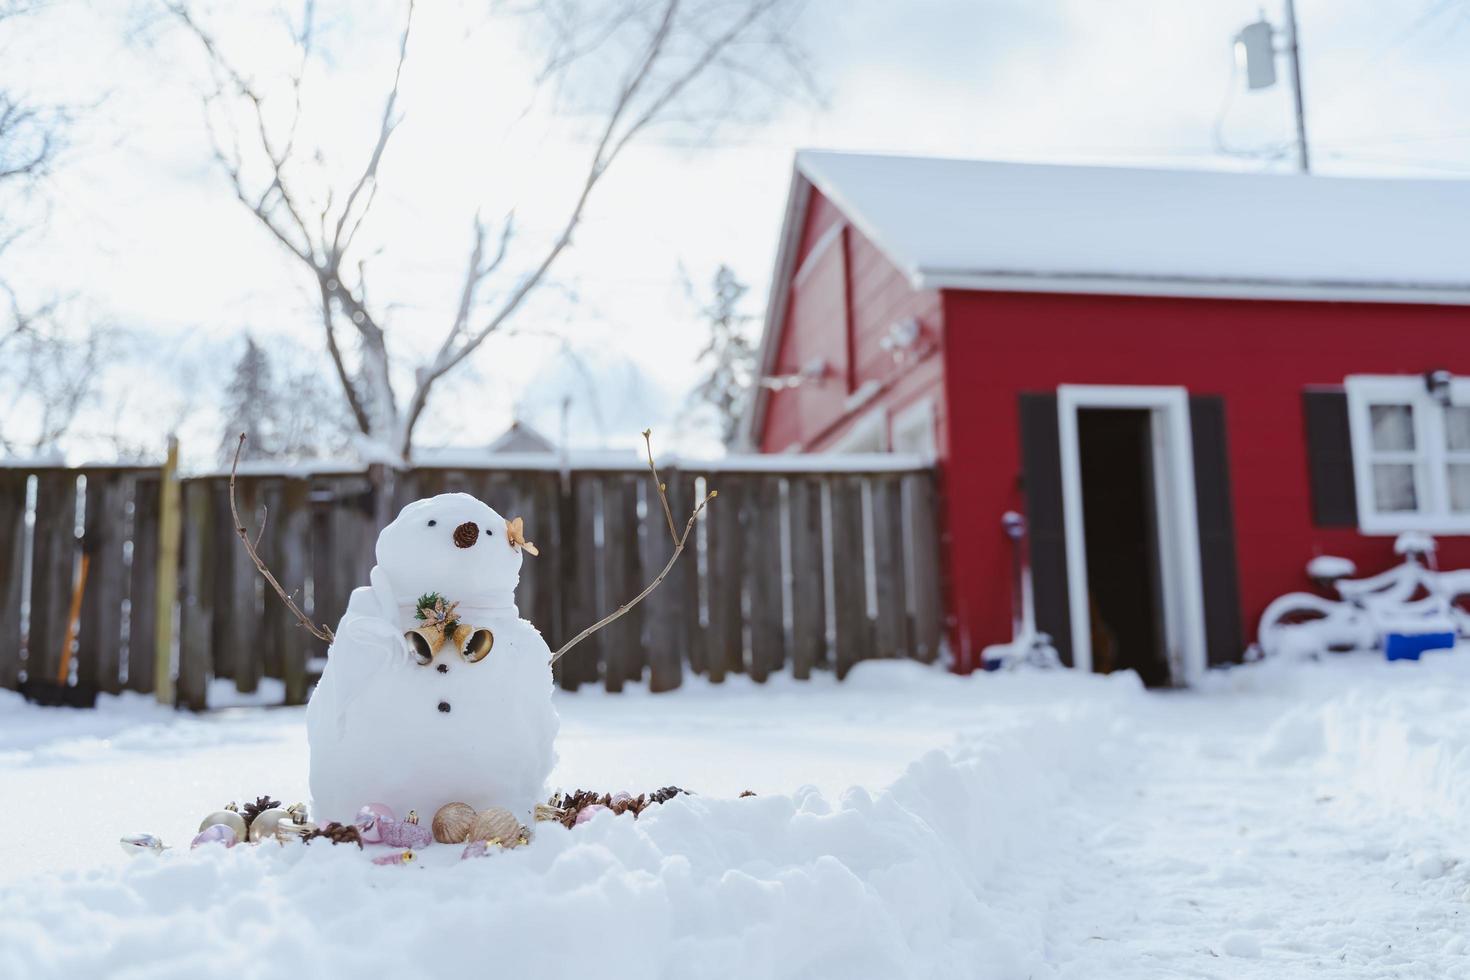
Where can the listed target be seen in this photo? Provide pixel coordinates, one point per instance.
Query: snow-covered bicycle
(1411, 598)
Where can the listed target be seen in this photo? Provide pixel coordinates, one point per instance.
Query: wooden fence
(793, 567)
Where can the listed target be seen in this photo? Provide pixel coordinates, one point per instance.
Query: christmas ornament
(218, 833)
(231, 818)
(135, 844)
(475, 729)
(370, 820)
(405, 833)
(452, 823)
(403, 858)
(475, 849)
(588, 812)
(263, 824)
(496, 823)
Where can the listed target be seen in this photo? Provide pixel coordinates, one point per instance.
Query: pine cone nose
(466, 534)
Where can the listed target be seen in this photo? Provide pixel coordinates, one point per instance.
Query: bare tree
(630, 64)
(46, 372)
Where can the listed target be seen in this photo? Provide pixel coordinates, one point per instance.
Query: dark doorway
(1119, 514)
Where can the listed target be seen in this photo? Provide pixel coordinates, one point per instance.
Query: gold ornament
(263, 827)
(497, 824)
(473, 642)
(230, 818)
(515, 533)
(453, 822)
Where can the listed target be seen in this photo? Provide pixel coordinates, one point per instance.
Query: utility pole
(1256, 48)
(1294, 51)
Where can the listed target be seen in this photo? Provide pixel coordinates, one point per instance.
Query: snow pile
(1281, 820)
(890, 883)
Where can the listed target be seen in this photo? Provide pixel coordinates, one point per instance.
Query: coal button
(444, 706)
(443, 668)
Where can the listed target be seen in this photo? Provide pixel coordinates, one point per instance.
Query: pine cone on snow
(253, 810)
(666, 794)
(337, 833)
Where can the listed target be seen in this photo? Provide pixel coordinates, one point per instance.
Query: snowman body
(385, 728)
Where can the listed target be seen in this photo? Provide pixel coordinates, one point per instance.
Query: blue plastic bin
(1408, 646)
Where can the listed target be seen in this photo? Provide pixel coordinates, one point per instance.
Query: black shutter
(1041, 467)
(1219, 577)
(1330, 458)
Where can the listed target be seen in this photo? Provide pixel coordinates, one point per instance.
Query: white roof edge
(1080, 283)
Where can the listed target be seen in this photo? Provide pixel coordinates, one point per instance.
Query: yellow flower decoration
(515, 533)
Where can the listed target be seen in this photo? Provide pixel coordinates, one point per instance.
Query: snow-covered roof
(986, 225)
(974, 224)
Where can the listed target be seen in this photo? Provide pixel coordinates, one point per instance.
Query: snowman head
(452, 544)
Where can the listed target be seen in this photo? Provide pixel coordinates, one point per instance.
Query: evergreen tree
(728, 360)
(249, 405)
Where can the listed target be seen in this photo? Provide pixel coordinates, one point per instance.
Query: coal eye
(432, 523)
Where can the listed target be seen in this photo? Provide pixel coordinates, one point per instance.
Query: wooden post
(167, 579)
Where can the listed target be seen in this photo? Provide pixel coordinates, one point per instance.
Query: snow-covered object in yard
(386, 729)
(1327, 568)
(983, 224)
(1409, 599)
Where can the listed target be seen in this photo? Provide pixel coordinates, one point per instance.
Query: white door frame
(1178, 520)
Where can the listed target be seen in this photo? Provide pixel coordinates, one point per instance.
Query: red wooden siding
(845, 296)
(1259, 355)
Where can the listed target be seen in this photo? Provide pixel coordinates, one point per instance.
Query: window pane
(1460, 487)
(1393, 488)
(1393, 426)
(1457, 427)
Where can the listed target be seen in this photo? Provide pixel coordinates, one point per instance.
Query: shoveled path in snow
(1278, 821)
(1222, 839)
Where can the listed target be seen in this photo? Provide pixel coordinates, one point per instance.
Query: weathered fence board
(196, 601)
(53, 551)
(12, 572)
(787, 569)
(105, 528)
(143, 584)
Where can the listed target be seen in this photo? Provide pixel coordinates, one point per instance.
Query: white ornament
(384, 728)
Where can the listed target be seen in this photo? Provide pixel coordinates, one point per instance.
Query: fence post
(167, 580)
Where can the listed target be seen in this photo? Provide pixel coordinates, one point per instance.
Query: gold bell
(473, 642)
(425, 641)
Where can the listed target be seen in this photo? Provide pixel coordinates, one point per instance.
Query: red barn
(1190, 382)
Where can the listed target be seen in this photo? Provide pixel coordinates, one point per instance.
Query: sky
(139, 228)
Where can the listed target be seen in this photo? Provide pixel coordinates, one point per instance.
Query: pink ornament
(587, 813)
(402, 833)
(403, 857)
(217, 833)
(369, 822)
(475, 849)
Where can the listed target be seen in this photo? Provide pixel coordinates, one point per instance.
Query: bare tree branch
(680, 540)
(322, 633)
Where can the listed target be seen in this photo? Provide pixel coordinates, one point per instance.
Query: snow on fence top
(1042, 227)
(600, 460)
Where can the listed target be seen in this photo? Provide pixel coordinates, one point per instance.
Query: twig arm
(679, 541)
(321, 633)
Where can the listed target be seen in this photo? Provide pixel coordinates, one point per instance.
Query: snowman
(435, 690)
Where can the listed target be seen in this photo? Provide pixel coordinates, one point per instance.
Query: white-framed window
(1411, 453)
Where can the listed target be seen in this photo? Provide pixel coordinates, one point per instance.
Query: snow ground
(1280, 821)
